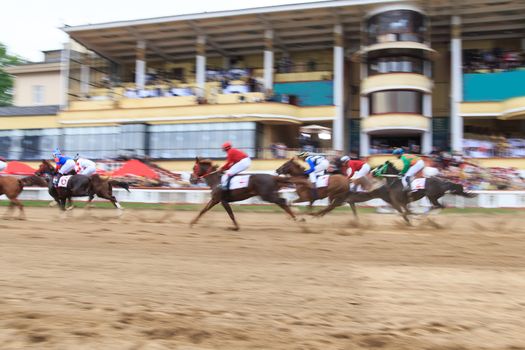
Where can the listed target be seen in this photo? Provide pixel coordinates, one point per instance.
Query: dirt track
(105, 283)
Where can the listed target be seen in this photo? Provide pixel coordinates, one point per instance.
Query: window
(395, 64)
(396, 101)
(38, 94)
(398, 25)
(204, 139)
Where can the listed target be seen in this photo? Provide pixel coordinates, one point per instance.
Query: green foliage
(6, 81)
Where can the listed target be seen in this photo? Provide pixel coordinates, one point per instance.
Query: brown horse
(263, 185)
(80, 186)
(338, 185)
(12, 187)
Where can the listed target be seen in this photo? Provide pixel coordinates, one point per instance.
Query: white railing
(484, 199)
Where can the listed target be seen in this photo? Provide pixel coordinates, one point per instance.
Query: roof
(26, 111)
(35, 67)
(298, 27)
(18, 168)
(136, 168)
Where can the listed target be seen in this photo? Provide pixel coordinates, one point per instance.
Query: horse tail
(121, 184)
(458, 190)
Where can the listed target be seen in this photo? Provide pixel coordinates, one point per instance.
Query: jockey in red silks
(356, 170)
(236, 161)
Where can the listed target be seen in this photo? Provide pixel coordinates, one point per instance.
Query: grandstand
(378, 73)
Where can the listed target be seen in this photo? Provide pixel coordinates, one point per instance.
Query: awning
(18, 168)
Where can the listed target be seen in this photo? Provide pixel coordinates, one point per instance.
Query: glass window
(38, 94)
(200, 139)
(395, 64)
(398, 25)
(396, 101)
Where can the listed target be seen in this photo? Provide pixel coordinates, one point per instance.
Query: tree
(6, 81)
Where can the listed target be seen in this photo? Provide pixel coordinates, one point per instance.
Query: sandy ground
(99, 282)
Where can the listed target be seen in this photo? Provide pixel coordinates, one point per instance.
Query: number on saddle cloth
(238, 181)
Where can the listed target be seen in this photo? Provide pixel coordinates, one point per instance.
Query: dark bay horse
(263, 185)
(80, 186)
(12, 187)
(338, 185)
(435, 188)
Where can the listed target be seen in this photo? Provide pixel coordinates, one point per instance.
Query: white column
(200, 65)
(84, 76)
(456, 86)
(338, 127)
(364, 138)
(140, 65)
(426, 138)
(64, 74)
(268, 61)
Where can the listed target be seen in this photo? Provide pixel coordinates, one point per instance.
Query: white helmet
(345, 158)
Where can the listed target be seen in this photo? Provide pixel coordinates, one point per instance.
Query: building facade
(379, 74)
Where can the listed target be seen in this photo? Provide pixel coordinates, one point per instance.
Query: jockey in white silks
(85, 166)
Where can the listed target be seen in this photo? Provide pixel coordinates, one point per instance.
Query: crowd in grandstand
(481, 61)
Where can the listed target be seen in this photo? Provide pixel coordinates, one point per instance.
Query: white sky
(28, 27)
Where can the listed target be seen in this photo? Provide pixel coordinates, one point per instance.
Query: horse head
(201, 169)
(45, 168)
(290, 168)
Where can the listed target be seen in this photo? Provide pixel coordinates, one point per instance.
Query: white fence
(485, 199)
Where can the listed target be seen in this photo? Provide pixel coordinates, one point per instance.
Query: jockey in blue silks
(64, 164)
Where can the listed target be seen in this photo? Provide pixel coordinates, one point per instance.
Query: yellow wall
(186, 114)
(395, 121)
(24, 88)
(488, 44)
(31, 122)
(396, 81)
(512, 108)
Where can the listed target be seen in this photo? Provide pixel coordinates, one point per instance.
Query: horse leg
(18, 204)
(281, 202)
(334, 203)
(229, 210)
(395, 202)
(213, 202)
(89, 203)
(9, 210)
(435, 203)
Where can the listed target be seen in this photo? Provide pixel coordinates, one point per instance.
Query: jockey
(412, 164)
(3, 164)
(85, 166)
(356, 170)
(236, 161)
(64, 165)
(318, 165)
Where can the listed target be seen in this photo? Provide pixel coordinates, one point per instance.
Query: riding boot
(226, 189)
(56, 179)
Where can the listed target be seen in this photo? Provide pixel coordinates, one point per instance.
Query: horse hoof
(70, 208)
(53, 204)
(302, 220)
(233, 228)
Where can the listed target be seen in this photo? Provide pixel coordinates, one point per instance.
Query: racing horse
(263, 185)
(12, 187)
(80, 186)
(336, 190)
(393, 194)
(435, 188)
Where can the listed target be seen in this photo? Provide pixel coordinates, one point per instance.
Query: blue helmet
(56, 153)
(398, 151)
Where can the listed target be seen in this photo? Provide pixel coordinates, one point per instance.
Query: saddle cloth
(239, 181)
(64, 180)
(322, 181)
(418, 184)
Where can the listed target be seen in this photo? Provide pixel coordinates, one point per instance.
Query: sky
(27, 27)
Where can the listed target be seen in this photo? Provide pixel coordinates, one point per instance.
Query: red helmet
(227, 145)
